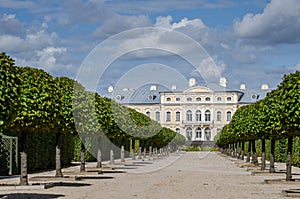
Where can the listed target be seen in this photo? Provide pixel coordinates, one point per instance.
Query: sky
(130, 43)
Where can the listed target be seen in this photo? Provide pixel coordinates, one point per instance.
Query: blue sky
(251, 42)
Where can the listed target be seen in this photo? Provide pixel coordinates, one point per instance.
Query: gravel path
(189, 175)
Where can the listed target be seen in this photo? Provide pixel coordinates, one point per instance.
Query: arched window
(189, 133)
(189, 99)
(177, 99)
(219, 99)
(207, 132)
(198, 99)
(219, 116)
(177, 116)
(228, 98)
(198, 116)
(168, 116)
(207, 115)
(189, 116)
(148, 113)
(198, 132)
(207, 99)
(177, 130)
(157, 116)
(168, 99)
(228, 116)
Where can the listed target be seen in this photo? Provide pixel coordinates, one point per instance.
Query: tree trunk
(24, 174)
(263, 154)
(82, 160)
(140, 150)
(112, 155)
(123, 151)
(289, 159)
(58, 173)
(254, 156)
(132, 149)
(272, 155)
(238, 150)
(243, 150)
(249, 152)
(99, 154)
(150, 151)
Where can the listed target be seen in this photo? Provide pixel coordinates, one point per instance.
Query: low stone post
(112, 157)
(122, 154)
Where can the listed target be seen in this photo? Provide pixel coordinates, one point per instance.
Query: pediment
(198, 89)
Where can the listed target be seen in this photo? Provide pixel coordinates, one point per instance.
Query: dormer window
(219, 99)
(151, 97)
(168, 99)
(228, 98)
(177, 99)
(198, 99)
(119, 97)
(189, 99)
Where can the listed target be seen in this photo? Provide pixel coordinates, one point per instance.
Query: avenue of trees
(47, 114)
(275, 118)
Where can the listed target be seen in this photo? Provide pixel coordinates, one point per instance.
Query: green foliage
(10, 89)
(37, 105)
(275, 117)
(40, 102)
(41, 150)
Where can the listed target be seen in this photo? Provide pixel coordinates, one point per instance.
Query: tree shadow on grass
(30, 196)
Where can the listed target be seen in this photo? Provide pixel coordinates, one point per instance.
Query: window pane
(207, 115)
(177, 116)
(228, 118)
(219, 116)
(189, 116)
(198, 132)
(198, 116)
(157, 116)
(148, 113)
(168, 119)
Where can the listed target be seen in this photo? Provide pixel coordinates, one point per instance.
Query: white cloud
(279, 23)
(166, 22)
(118, 23)
(10, 25)
(35, 48)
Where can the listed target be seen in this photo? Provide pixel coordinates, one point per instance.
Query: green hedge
(280, 150)
(41, 150)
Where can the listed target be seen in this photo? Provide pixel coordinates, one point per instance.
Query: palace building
(198, 112)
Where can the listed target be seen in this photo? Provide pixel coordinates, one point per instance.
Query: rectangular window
(177, 116)
(219, 116)
(168, 117)
(157, 116)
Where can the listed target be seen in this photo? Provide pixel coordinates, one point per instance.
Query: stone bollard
(150, 152)
(122, 154)
(99, 159)
(144, 154)
(140, 153)
(132, 154)
(112, 156)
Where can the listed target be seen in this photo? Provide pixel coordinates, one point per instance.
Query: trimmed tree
(10, 89)
(38, 111)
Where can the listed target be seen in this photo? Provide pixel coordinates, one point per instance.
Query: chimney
(110, 89)
(153, 88)
(223, 82)
(264, 87)
(243, 87)
(192, 82)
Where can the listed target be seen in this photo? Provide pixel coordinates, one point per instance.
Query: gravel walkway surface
(185, 175)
